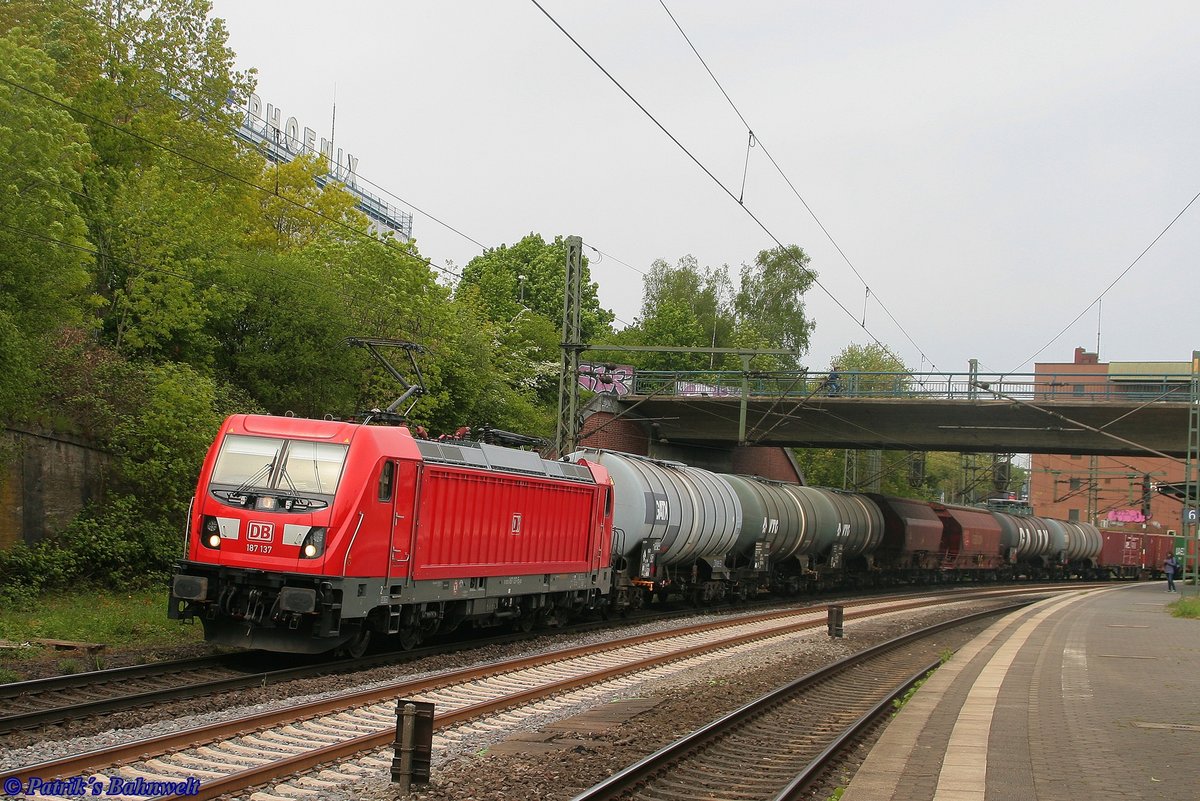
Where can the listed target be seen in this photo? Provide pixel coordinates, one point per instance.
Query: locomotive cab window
(270, 463)
(386, 477)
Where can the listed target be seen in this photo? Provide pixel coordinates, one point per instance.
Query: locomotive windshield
(289, 465)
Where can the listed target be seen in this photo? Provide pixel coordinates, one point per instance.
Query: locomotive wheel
(409, 638)
(358, 644)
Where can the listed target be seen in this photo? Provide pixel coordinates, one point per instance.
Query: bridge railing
(944, 386)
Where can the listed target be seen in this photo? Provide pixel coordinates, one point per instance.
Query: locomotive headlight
(211, 536)
(314, 543)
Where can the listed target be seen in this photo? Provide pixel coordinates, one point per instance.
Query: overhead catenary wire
(713, 177)
(1111, 284)
(427, 262)
(741, 205)
(756, 140)
(704, 168)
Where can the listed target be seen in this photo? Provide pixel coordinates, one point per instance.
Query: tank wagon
(319, 535)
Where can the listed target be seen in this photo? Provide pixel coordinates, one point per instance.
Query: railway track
(796, 731)
(39, 702)
(257, 750)
(58, 699)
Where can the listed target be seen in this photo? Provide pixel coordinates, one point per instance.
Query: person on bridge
(1171, 568)
(831, 383)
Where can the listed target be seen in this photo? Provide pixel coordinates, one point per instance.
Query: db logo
(260, 532)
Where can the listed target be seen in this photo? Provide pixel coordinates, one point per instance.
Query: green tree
(297, 212)
(281, 338)
(43, 236)
(169, 262)
(686, 306)
(514, 296)
(859, 366)
(531, 274)
(770, 300)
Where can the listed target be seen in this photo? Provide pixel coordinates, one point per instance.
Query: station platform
(1093, 695)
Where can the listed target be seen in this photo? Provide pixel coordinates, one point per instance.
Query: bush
(113, 545)
(160, 424)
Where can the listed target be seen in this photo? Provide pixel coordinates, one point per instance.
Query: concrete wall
(45, 480)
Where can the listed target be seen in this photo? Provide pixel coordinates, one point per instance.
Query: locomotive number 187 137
(255, 548)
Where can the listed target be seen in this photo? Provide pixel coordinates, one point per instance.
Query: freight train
(317, 535)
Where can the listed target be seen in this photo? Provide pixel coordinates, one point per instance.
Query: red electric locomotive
(310, 535)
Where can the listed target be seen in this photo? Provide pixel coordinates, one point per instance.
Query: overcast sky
(988, 168)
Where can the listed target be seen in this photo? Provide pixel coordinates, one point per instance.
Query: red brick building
(1109, 491)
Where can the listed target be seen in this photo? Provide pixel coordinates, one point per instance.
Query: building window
(1079, 389)
(1076, 484)
(1076, 456)
(1073, 515)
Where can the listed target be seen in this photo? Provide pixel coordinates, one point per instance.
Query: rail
(1123, 388)
(793, 731)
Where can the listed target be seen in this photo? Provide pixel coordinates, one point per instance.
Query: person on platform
(1171, 568)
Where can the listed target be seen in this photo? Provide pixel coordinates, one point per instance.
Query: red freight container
(1158, 548)
(1123, 553)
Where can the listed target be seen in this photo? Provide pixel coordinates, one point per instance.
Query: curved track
(794, 731)
(255, 750)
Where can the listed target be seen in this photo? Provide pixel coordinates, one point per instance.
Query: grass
(898, 703)
(115, 619)
(1188, 606)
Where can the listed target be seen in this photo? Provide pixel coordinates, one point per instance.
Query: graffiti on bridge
(613, 379)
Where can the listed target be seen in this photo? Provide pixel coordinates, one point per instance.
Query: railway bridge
(1069, 413)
